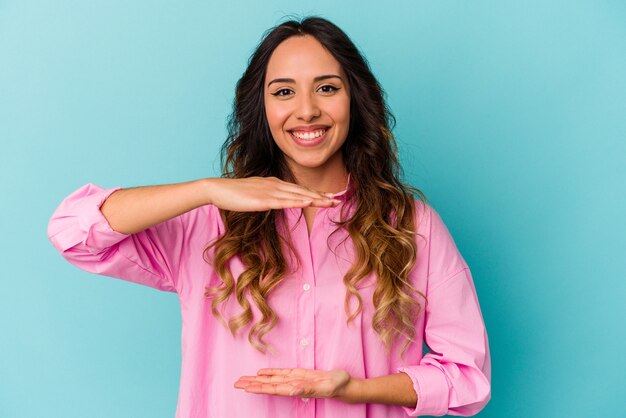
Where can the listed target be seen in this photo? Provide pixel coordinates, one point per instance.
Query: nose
(307, 107)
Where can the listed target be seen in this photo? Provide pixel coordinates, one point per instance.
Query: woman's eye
(282, 92)
(328, 89)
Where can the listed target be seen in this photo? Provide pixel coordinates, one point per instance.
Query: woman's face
(307, 103)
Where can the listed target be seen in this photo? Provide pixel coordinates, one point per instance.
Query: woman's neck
(330, 179)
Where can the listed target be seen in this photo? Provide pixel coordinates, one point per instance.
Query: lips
(309, 137)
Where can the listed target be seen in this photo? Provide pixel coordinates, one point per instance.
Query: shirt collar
(347, 192)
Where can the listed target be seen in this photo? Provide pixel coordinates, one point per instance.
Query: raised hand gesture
(263, 193)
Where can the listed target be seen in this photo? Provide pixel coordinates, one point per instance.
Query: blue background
(511, 118)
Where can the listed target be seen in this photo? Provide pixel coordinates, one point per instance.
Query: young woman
(309, 275)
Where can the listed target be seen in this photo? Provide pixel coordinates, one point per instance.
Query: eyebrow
(316, 79)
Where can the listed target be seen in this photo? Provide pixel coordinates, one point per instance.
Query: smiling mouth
(308, 135)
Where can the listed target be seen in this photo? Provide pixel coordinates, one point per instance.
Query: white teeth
(309, 135)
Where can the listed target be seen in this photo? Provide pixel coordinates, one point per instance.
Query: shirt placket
(306, 308)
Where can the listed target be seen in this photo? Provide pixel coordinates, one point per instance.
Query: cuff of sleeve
(431, 387)
(91, 227)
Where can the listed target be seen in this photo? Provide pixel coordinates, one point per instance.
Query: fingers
(278, 376)
(291, 200)
(326, 203)
(283, 389)
(289, 382)
(285, 372)
(304, 191)
(262, 193)
(287, 194)
(271, 379)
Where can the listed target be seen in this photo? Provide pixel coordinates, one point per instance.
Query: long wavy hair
(382, 227)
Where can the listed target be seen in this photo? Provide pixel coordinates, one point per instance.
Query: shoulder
(443, 258)
(423, 217)
(429, 222)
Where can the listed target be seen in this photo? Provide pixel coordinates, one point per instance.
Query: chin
(307, 164)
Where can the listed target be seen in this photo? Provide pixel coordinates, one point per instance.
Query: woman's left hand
(304, 383)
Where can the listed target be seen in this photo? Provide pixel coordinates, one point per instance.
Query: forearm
(135, 209)
(393, 389)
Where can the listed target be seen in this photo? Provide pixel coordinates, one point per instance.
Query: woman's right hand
(252, 194)
(134, 209)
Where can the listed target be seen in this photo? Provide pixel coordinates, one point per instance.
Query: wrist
(352, 392)
(208, 186)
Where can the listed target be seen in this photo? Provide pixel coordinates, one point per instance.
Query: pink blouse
(453, 377)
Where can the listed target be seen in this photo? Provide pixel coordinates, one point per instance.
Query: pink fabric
(452, 378)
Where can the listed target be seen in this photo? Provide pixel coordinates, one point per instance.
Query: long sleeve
(82, 235)
(454, 377)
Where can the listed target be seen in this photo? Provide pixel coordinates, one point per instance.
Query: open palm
(296, 382)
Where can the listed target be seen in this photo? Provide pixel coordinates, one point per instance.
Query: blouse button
(304, 342)
(306, 286)
(305, 400)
